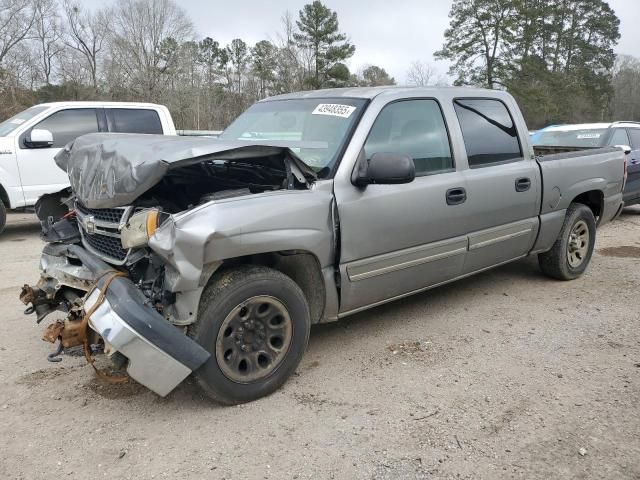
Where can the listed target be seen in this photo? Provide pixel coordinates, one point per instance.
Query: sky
(391, 34)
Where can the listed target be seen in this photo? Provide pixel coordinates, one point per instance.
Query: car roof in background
(590, 126)
(99, 103)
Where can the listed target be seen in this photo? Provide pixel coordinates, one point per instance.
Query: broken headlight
(139, 228)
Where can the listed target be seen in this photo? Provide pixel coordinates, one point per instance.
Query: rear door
(632, 189)
(396, 239)
(503, 185)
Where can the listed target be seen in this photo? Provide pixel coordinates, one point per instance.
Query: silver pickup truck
(215, 256)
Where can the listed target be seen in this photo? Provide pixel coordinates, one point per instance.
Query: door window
(415, 128)
(490, 135)
(67, 125)
(130, 120)
(619, 137)
(634, 134)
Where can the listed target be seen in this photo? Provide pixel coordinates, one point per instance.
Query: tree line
(147, 50)
(555, 56)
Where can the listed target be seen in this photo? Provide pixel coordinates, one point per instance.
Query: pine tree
(319, 34)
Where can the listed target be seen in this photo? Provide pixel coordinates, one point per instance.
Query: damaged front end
(157, 354)
(99, 266)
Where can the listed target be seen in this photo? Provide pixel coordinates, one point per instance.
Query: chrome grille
(100, 230)
(109, 215)
(106, 246)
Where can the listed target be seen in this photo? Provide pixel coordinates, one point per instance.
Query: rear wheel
(571, 253)
(3, 216)
(255, 323)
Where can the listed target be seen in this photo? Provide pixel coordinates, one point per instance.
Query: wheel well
(301, 266)
(4, 197)
(593, 199)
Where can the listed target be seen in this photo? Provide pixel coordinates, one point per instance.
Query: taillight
(624, 182)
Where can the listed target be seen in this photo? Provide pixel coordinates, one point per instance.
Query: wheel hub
(578, 245)
(253, 339)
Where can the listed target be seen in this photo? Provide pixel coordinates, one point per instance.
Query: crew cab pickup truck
(30, 140)
(215, 256)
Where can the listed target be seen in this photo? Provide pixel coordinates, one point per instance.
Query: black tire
(557, 262)
(3, 216)
(232, 290)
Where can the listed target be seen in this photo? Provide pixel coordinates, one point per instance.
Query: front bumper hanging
(160, 355)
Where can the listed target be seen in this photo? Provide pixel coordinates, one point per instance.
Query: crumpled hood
(107, 170)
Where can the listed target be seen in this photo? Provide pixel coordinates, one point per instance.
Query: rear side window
(490, 136)
(634, 135)
(415, 128)
(67, 125)
(131, 120)
(619, 137)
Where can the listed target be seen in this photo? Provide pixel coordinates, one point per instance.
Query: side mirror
(39, 138)
(385, 168)
(625, 148)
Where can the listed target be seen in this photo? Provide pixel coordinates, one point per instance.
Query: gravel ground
(503, 375)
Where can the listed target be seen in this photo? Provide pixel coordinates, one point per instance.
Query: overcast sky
(390, 34)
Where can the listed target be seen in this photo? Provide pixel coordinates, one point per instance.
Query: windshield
(585, 137)
(315, 129)
(14, 122)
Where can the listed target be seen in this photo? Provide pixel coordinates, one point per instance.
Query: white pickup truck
(30, 140)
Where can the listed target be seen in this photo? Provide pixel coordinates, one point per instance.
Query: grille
(107, 246)
(111, 215)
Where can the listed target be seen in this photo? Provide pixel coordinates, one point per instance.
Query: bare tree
(141, 30)
(87, 35)
(420, 74)
(16, 20)
(48, 36)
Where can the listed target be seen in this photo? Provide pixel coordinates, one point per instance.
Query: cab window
(415, 128)
(67, 125)
(489, 133)
(619, 137)
(134, 120)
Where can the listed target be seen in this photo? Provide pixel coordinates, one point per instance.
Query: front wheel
(255, 322)
(571, 253)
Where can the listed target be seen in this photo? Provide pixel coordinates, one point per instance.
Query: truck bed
(566, 174)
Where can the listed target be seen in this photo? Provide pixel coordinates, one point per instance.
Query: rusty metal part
(110, 276)
(53, 332)
(27, 295)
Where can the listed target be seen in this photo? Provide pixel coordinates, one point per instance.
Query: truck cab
(30, 140)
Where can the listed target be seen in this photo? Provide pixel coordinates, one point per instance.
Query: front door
(396, 239)
(38, 170)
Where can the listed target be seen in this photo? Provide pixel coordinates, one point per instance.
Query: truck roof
(372, 92)
(101, 103)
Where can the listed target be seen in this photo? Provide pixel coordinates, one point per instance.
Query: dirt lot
(504, 375)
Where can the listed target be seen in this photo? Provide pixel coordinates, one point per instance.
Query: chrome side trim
(502, 238)
(413, 292)
(402, 259)
(491, 236)
(148, 365)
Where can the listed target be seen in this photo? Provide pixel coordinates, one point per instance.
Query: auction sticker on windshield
(334, 109)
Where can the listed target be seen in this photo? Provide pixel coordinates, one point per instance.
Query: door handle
(523, 184)
(456, 196)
